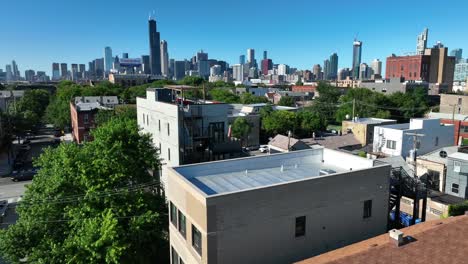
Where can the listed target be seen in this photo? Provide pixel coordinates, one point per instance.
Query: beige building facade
(275, 209)
(363, 128)
(454, 103)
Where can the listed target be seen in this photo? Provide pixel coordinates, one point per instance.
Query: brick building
(303, 88)
(414, 68)
(83, 111)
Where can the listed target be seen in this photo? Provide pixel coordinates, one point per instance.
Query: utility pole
(416, 137)
(453, 113)
(289, 140)
(354, 107)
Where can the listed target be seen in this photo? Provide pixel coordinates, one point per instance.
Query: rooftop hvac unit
(326, 172)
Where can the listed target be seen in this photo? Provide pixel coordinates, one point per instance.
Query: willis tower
(155, 50)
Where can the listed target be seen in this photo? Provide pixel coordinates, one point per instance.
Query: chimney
(396, 237)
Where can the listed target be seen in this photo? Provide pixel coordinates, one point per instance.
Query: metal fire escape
(402, 184)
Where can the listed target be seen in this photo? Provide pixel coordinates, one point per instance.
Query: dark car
(24, 175)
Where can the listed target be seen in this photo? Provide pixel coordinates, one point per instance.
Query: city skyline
(293, 48)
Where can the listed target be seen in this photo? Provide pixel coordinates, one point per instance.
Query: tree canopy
(27, 112)
(286, 101)
(241, 128)
(95, 203)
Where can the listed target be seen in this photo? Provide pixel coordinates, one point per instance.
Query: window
(181, 261)
(86, 118)
(168, 154)
(160, 148)
(182, 229)
(168, 130)
(144, 118)
(367, 209)
(175, 256)
(196, 240)
(436, 141)
(460, 101)
(391, 144)
(300, 226)
(159, 125)
(435, 211)
(457, 166)
(464, 129)
(455, 187)
(173, 214)
(147, 119)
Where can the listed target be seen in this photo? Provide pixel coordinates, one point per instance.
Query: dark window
(175, 256)
(181, 261)
(300, 226)
(147, 119)
(367, 209)
(455, 187)
(391, 144)
(196, 240)
(173, 214)
(182, 228)
(159, 125)
(216, 132)
(168, 154)
(464, 129)
(460, 101)
(168, 129)
(436, 141)
(86, 118)
(144, 118)
(159, 147)
(433, 179)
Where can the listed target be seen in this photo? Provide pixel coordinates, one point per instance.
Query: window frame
(182, 231)
(300, 226)
(457, 188)
(367, 209)
(197, 232)
(173, 214)
(391, 146)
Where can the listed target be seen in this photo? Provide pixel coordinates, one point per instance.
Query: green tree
(95, 203)
(367, 103)
(286, 101)
(120, 111)
(310, 122)
(241, 128)
(192, 80)
(326, 103)
(279, 122)
(408, 105)
(224, 95)
(26, 113)
(248, 98)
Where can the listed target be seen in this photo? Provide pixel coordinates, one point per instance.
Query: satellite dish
(443, 154)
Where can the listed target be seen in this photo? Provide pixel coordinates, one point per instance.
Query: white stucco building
(396, 140)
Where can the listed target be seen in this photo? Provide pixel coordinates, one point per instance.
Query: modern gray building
(457, 53)
(357, 53)
(333, 71)
(164, 59)
(422, 42)
(461, 72)
(457, 174)
(277, 208)
(108, 59)
(179, 70)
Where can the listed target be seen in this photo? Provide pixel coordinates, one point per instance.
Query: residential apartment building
(457, 174)
(185, 131)
(83, 110)
(398, 139)
(363, 128)
(454, 103)
(253, 210)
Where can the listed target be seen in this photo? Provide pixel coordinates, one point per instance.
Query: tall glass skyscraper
(108, 59)
(457, 53)
(333, 70)
(422, 42)
(357, 52)
(164, 59)
(242, 59)
(155, 49)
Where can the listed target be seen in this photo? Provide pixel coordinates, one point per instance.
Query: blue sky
(300, 33)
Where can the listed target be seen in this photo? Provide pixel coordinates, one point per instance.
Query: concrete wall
(449, 101)
(258, 226)
(363, 132)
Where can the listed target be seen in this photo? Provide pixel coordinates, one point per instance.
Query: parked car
(24, 175)
(263, 148)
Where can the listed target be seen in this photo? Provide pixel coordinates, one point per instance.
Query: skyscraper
(82, 71)
(74, 71)
(238, 72)
(29, 75)
(317, 69)
(145, 61)
(267, 64)
(55, 71)
(179, 70)
(458, 54)
(377, 67)
(164, 59)
(64, 71)
(242, 59)
(108, 59)
(357, 50)
(265, 55)
(333, 71)
(202, 56)
(16, 73)
(155, 49)
(251, 57)
(124, 55)
(99, 68)
(422, 42)
(326, 69)
(364, 71)
(9, 73)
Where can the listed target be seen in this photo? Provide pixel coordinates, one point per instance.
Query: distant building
(29, 75)
(83, 111)
(317, 69)
(457, 174)
(146, 64)
(267, 64)
(251, 58)
(461, 72)
(242, 59)
(220, 211)
(396, 140)
(422, 42)
(283, 69)
(7, 97)
(154, 48)
(238, 72)
(357, 53)
(326, 69)
(64, 71)
(454, 103)
(179, 70)
(55, 71)
(333, 71)
(364, 71)
(415, 68)
(458, 54)
(129, 80)
(343, 74)
(377, 67)
(283, 144)
(108, 59)
(164, 59)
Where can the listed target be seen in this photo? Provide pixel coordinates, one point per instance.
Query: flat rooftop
(371, 121)
(228, 176)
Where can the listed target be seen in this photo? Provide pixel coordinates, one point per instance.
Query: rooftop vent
(443, 154)
(396, 236)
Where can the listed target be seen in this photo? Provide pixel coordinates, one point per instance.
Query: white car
(263, 149)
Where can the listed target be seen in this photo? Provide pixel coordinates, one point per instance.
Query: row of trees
(95, 203)
(336, 106)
